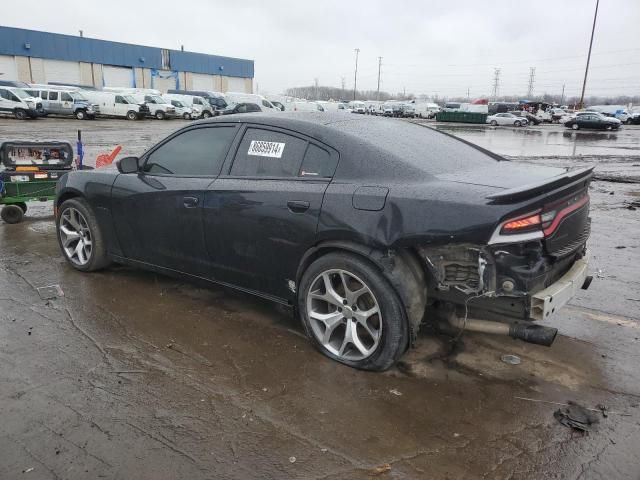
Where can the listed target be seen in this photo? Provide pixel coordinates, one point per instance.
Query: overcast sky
(443, 47)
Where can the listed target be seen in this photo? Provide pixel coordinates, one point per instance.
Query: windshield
(78, 96)
(157, 99)
(130, 99)
(20, 93)
(176, 103)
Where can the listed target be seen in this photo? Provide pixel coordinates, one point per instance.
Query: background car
(506, 119)
(592, 120)
(531, 119)
(245, 107)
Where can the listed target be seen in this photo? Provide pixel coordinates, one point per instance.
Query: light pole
(586, 70)
(355, 75)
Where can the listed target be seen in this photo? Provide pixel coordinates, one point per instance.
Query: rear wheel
(12, 214)
(131, 115)
(351, 313)
(206, 114)
(79, 236)
(187, 116)
(20, 114)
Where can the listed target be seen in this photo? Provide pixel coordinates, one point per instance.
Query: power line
(496, 82)
(532, 76)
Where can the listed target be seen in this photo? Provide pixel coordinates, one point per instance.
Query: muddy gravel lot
(125, 374)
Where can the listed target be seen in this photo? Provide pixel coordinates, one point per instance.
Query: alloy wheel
(75, 236)
(344, 315)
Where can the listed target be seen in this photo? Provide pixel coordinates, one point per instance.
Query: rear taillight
(522, 224)
(552, 218)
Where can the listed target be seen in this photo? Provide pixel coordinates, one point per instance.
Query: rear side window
(318, 163)
(265, 153)
(197, 152)
(53, 95)
(44, 96)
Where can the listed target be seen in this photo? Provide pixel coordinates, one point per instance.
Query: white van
(20, 104)
(426, 110)
(117, 104)
(200, 106)
(356, 106)
(304, 106)
(238, 97)
(60, 101)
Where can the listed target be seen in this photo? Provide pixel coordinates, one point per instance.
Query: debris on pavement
(50, 292)
(28, 470)
(292, 459)
(510, 359)
(576, 416)
(379, 470)
(395, 392)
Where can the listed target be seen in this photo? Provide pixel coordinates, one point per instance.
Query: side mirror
(128, 165)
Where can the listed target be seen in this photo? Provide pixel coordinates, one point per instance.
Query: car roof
(373, 147)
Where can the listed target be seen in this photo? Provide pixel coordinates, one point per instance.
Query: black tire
(160, 115)
(494, 123)
(20, 114)
(131, 115)
(81, 114)
(517, 123)
(187, 116)
(395, 332)
(609, 127)
(206, 114)
(23, 206)
(98, 258)
(12, 214)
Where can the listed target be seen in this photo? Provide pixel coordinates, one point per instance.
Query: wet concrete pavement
(135, 375)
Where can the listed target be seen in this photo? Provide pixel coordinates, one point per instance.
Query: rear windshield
(429, 150)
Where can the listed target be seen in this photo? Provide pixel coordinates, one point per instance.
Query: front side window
(265, 153)
(44, 96)
(120, 99)
(65, 97)
(53, 95)
(198, 152)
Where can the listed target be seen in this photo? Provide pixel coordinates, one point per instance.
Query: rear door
(158, 211)
(262, 215)
(54, 104)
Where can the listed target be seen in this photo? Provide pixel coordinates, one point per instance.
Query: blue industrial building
(41, 57)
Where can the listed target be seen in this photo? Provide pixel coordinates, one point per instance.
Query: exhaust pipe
(527, 332)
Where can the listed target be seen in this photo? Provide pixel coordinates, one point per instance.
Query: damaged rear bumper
(547, 302)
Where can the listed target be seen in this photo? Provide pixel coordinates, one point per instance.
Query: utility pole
(562, 96)
(355, 75)
(586, 70)
(343, 82)
(496, 83)
(532, 76)
(379, 66)
(468, 94)
(315, 82)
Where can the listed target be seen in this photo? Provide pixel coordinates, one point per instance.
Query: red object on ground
(105, 159)
(480, 101)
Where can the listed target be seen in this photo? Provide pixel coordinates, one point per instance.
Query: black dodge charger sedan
(367, 227)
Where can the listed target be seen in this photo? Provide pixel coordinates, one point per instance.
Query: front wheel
(81, 115)
(79, 236)
(206, 114)
(494, 123)
(12, 214)
(351, 313)
(20, 114)
(160, 115)
(131, 115)
(187, 116)
(517, 123)
(575, 126)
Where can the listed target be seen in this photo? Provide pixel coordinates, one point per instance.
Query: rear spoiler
(543, 186)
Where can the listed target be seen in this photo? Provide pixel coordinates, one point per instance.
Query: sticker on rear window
(266, 149)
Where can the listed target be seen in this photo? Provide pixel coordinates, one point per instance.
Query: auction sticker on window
(262, 148)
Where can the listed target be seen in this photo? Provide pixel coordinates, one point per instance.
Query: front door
(158, 211)
(262, 217)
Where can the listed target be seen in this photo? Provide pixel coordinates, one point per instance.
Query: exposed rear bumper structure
(546, 302)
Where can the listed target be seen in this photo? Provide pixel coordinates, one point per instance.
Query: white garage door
(117, 76)
(61, 71)
(8, 70)
(235, 84)
(202, 82)
(164, 81)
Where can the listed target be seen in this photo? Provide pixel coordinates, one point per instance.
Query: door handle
(190, 202)
(297, 206)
